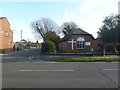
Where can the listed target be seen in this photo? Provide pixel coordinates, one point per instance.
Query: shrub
(2, 50)
(48, 47)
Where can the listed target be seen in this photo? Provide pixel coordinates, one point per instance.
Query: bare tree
(68, 27)
(43, 25)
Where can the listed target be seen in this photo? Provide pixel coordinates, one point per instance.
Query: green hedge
(2, 50)
(48, 47)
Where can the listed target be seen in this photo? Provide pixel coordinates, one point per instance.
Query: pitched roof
(76, 32)
(2, 17)
(66, 37)
(79, 31)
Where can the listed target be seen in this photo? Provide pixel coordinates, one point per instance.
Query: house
(79, 41)
(6, 35)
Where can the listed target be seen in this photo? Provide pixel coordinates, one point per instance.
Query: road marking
(37, 70)
(30, 58)
(111, 69)
(47, 62)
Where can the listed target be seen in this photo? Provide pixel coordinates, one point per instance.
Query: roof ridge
(79, 31)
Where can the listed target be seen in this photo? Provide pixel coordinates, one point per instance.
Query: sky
(87, 14)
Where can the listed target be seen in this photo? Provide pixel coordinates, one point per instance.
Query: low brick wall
(8, 50)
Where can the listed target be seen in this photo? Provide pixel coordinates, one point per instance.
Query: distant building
(79, 41)
(6, 35)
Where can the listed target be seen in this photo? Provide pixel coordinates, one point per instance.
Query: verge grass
(88, 59)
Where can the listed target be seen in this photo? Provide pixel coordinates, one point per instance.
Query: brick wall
(6, 35)
(66, 47)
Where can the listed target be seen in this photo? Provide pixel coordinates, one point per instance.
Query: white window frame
(80, 43)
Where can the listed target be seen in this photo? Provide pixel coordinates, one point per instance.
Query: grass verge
(88, 59)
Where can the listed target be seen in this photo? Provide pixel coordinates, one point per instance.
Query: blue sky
(87, 14)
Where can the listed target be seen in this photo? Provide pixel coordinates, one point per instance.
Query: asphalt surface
(20, 70)
(20, 56)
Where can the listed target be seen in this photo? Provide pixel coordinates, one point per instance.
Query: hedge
(48, 47)
(2, 50)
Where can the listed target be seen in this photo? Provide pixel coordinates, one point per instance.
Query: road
(21, 71)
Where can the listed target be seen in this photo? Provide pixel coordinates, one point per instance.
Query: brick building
(79, 41)
(6, 35)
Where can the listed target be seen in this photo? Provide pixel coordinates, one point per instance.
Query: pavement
(2, 54)
(29, 69)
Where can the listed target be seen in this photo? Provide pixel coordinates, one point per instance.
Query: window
(1, 31)
(6, 34)
(80, 43)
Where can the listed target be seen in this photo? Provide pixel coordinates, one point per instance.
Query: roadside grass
(88, 59)
(87, 54)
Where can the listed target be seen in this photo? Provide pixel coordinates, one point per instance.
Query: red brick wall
(67, 48)
(6, 42)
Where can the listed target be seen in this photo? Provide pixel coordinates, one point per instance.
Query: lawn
(89, 59)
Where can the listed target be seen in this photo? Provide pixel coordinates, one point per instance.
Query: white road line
(37, 70)
(30, 58)
(51, 62)
(111, 69)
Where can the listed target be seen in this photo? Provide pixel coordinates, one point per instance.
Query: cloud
(119, 7)
(88, 5)
(93, 22)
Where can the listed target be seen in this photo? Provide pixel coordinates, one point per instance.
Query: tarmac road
(20, 56)
(19, 71)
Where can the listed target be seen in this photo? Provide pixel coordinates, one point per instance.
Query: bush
(48, 47)
(2, 50)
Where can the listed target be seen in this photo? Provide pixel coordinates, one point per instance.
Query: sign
(72, 41)
(87, 43)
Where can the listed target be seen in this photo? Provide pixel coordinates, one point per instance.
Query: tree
(37, 44)
(68, 27)
(118, 27)
(109, 31)
(24, 42)
(52, 36)
(43, 25)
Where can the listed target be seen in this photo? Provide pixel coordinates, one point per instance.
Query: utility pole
(21, 35)
(21, 39)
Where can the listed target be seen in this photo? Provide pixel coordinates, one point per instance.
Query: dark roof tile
(76, 32)
(79, 31)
